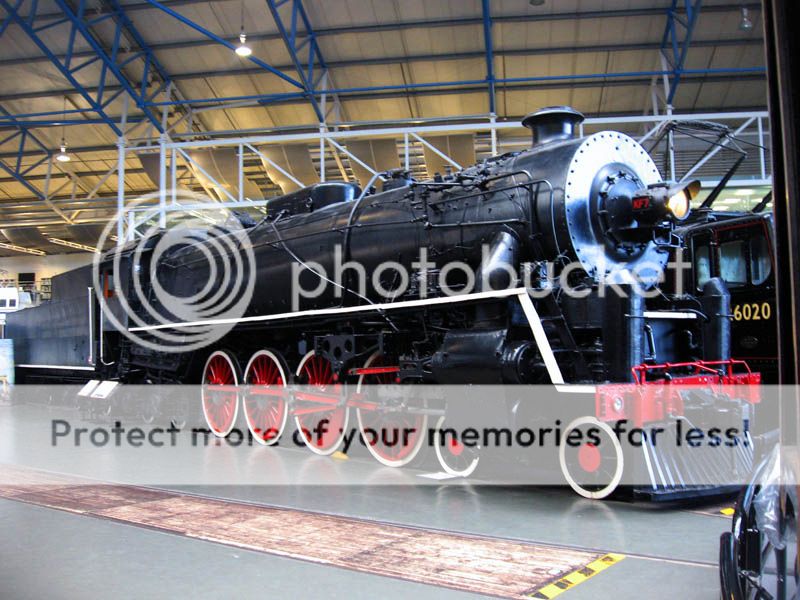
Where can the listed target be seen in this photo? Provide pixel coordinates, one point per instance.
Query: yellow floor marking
(571, 580)
(728, 512)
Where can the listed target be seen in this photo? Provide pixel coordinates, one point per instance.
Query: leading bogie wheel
(455, 458)
(593, 469)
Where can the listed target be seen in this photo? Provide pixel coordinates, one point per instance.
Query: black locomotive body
(517, 211)
(538, 237)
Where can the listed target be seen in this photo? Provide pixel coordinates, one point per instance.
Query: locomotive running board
(342, 310)
(535, 323)
(60, 367)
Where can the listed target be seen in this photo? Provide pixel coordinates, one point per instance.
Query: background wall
(43, 266)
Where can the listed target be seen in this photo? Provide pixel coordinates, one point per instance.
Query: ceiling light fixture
(745, 24)
(73, 245)
(243, 49)
(63, 156)
(16, 248)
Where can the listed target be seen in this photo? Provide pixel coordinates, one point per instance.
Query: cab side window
(733, 263)
(760, 259)
(702, 265)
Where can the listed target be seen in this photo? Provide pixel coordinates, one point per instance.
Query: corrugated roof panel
(370, 76)
(251, 117)
(735, 94)
(349, 12)
(548, 66)
(443, 40)
(448, 106)
(285, 115)
(520, 103)
(625, 100)
(386, 109)
(460, 70)
(631, 62)
(359, 12)
(570, 33)
(736, 56)
(376, 44)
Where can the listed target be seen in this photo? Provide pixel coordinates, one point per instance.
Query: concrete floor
(671, 552)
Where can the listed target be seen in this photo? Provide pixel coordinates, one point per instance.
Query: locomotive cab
(739, 249)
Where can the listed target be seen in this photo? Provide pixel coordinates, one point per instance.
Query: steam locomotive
(537, 236)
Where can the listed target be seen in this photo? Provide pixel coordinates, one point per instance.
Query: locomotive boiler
(565, 199)
(495, 274)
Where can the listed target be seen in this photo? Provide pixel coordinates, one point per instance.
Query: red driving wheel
(220, 397)
(322, 424)
(393, 437)
(265, 405)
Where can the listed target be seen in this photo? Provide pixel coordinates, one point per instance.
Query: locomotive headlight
(663, 201)
(678, 205)
(680, 198)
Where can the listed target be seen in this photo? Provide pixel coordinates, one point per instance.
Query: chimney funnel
(552, 123)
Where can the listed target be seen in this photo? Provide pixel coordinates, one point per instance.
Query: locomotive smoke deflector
(552, 124)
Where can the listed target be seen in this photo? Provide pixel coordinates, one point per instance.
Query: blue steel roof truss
(299, 37)
(677, 39)
(27, 144)
(489, 45)
(79, 25)
(301, 43)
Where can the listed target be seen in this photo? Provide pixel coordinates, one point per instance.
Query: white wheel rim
(562, 459)
(229, 360)
(376, 455)
(335, 446)
(258, 435)
(466, 472)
